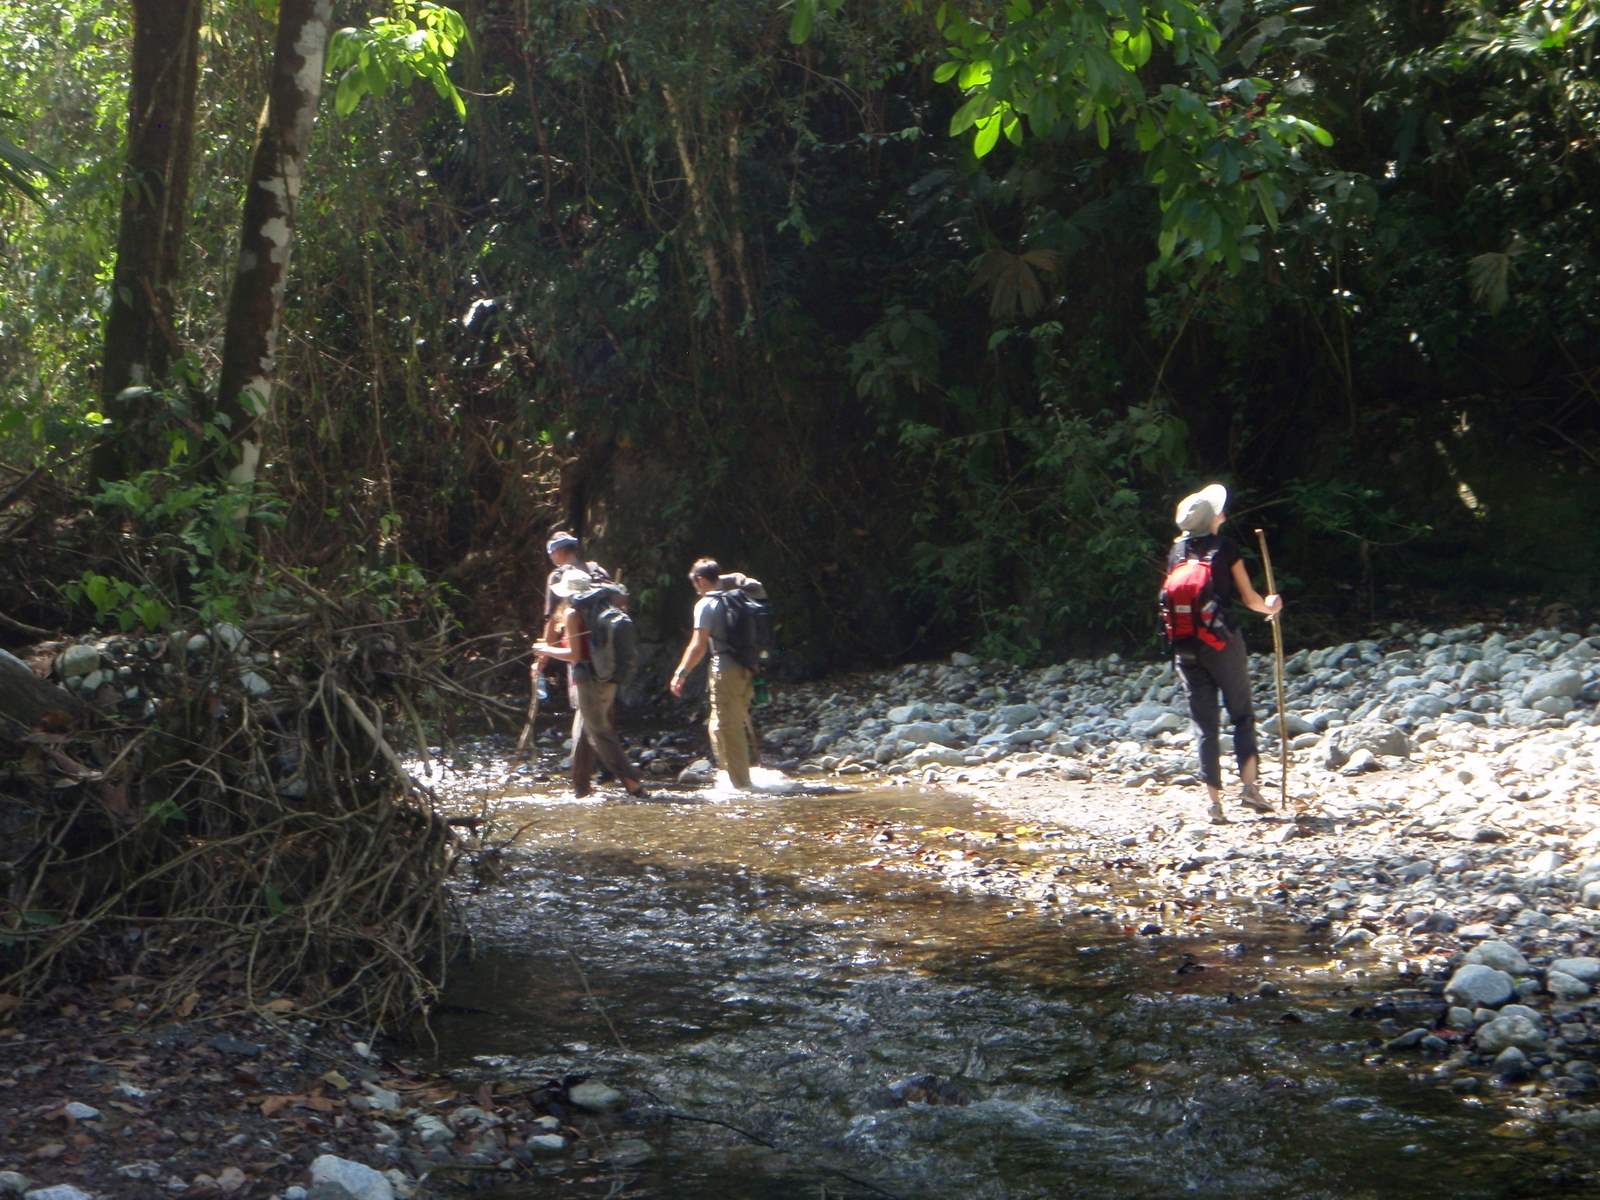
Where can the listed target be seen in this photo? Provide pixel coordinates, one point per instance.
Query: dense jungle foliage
(924, 314)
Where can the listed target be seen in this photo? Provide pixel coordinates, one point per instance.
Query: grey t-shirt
(713, 618)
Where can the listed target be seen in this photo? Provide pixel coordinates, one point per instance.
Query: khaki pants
(731, 689)
(594, 735)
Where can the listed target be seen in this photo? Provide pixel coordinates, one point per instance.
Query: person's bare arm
(1253, 600)
(692, 654)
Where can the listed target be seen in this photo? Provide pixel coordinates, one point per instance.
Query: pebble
(593, 1096)
(431, 1131)
(81, 1112)
(1480, 986)
(358, 1181)
(61, 1191)
(13, 1183)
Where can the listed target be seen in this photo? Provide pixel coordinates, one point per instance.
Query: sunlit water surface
(739, 960)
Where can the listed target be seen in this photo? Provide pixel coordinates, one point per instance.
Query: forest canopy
(923, 313)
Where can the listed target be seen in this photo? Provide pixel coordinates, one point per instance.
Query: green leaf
(805, 15)
(975, 74)
(945, 72)
(967, 115)
(1102, 128)
(1269, 210)
(988, 134)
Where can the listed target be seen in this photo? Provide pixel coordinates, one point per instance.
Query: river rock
(1378, 737)
(78, 660)
(1479, 986)
(903, 714)
(1511, 1064)
(1585, 969)
(79, 1111)
(1564, 987)
(13, 1183)
(630, 1152)
(547, 1143)
(1506, 1031)
(358, 1181)
(61, 1191)
(1563, 684)
(1014, 716)
(593, 1096)
(1502, 956)
(935, 756)
(431, 1131)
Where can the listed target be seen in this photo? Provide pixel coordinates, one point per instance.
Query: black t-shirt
(1221, 566)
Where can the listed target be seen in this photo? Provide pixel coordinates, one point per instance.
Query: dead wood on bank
(229, 813)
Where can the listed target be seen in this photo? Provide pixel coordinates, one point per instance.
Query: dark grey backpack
(613, 639)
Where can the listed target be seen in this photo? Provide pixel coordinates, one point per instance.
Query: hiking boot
(1250, 796)
(1215, 814)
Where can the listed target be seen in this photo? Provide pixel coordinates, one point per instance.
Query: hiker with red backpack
(1205, 574)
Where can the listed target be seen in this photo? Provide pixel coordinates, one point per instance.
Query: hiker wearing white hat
(594, 732)
(1205, 574)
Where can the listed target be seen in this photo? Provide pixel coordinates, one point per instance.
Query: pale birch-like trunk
(255, 309)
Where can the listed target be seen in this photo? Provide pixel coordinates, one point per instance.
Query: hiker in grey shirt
(732, 684)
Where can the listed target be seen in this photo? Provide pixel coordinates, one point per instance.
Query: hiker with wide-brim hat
(594, 733)
(1209, 671)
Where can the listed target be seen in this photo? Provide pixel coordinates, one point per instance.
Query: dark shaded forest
(689, 286)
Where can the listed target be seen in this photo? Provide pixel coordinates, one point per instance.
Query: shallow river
(748, 961)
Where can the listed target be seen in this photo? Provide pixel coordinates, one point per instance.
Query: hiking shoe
(1250, 796)
(1215, 814)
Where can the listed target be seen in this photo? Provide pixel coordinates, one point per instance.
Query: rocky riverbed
(1441, 842)
(1442, 831)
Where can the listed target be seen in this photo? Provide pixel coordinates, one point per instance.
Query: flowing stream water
(860, 1031)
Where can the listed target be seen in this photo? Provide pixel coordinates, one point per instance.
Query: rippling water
(752, 962)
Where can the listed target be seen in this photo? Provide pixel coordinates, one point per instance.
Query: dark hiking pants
(1206, 673)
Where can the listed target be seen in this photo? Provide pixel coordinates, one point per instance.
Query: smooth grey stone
(358, 1179)
(1459, 1018)
(593, 1096)
(1511, 1064)
(1406, 1040)
(61, 1191)
(1585, 969)
(1564, 987)
(1480, 986)
(630, 1153)
(1506, 1031)
(1361, 761)
(1552, 683)
(1502, 956)
(14, 1183)
(78, 660)
(431, 1131)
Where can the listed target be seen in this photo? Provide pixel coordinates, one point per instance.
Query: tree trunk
(27, 699)
(255, 309)
(140, 343)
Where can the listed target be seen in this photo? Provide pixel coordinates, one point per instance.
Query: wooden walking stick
(533, 704)
(1277, 663)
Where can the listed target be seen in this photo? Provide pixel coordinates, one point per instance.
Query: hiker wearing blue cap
(1205, 574)
(563, 549)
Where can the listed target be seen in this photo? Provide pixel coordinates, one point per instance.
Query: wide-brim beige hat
(1197, 511)
(573, 582)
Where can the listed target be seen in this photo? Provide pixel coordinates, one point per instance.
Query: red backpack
(1189, 607)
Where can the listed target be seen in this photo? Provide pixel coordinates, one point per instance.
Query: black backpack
(613, 640)
(749, 621)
